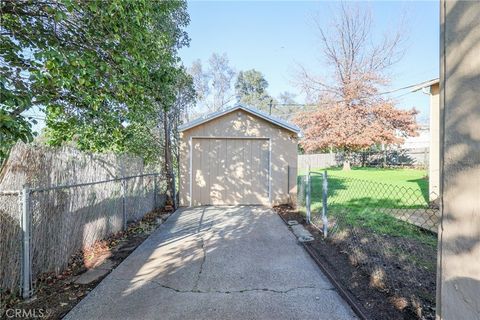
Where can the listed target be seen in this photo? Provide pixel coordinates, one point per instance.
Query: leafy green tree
(251, 88)
(287, 98)
(99, 69)
(250, 82)
(12, 128)
(213, 83)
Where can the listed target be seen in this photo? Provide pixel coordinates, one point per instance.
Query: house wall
(420, 141)
(240, 123)
(458, 281)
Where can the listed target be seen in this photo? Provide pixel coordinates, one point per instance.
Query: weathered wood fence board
(75, 199)
(400, 157)
(318, 160)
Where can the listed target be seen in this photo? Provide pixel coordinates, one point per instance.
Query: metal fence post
(155, 191)
(174, 191)
(26, 249)
(308, 197)
(324, 203)
(288, 180)
(124, 209)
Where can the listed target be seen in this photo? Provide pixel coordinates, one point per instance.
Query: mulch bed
(375, 303)
(56, 295)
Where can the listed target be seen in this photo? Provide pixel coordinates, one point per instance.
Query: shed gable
(238, 123)
(239, 108)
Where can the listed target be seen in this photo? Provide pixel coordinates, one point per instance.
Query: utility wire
(274, 106)
(340, 101)
(370, 96)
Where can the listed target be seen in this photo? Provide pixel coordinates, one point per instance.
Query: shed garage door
(230, 171)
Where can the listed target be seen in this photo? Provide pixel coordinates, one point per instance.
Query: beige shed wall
(240, 123)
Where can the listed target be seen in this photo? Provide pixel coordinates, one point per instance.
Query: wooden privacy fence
(318, 160)
(42, 228)
(417, 157)
(54, 202)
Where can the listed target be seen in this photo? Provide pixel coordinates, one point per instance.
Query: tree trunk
(384, 150)
(177, 154)
(346, 161)
(168, 159)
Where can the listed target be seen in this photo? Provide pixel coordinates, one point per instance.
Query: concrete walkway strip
(302, 234)
(292, 222)
(95, 273)
(216, 263)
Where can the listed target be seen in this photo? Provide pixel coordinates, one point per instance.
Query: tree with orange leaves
(356, 127)
(351, 114)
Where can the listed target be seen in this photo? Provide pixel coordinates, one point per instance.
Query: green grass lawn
(367, 196)
(386, 188)
(412, 178)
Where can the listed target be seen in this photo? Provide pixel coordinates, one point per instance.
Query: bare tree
(221, 75)
(200, 82)
(358, 64)
(214, 84)
(351, 115)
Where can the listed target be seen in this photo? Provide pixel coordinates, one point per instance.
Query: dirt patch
(56, 295)
(393, 291)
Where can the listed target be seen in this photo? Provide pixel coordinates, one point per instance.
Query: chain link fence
(10, 240)
(388, 232)
(42, 228)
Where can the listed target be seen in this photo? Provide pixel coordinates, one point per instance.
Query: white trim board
(190, 168)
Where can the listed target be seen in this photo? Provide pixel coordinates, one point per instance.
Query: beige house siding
(458, 282)
(242, 124)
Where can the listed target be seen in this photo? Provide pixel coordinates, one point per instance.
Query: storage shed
(238, 156)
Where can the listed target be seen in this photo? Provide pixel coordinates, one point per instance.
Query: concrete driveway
(216, 263)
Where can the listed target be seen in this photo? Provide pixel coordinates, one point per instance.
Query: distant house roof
(425, 84)
(239, 106)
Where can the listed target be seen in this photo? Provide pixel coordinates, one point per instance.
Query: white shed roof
(239, 106)
(425, 84)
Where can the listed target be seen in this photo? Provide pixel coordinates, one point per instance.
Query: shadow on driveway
(237, 262)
